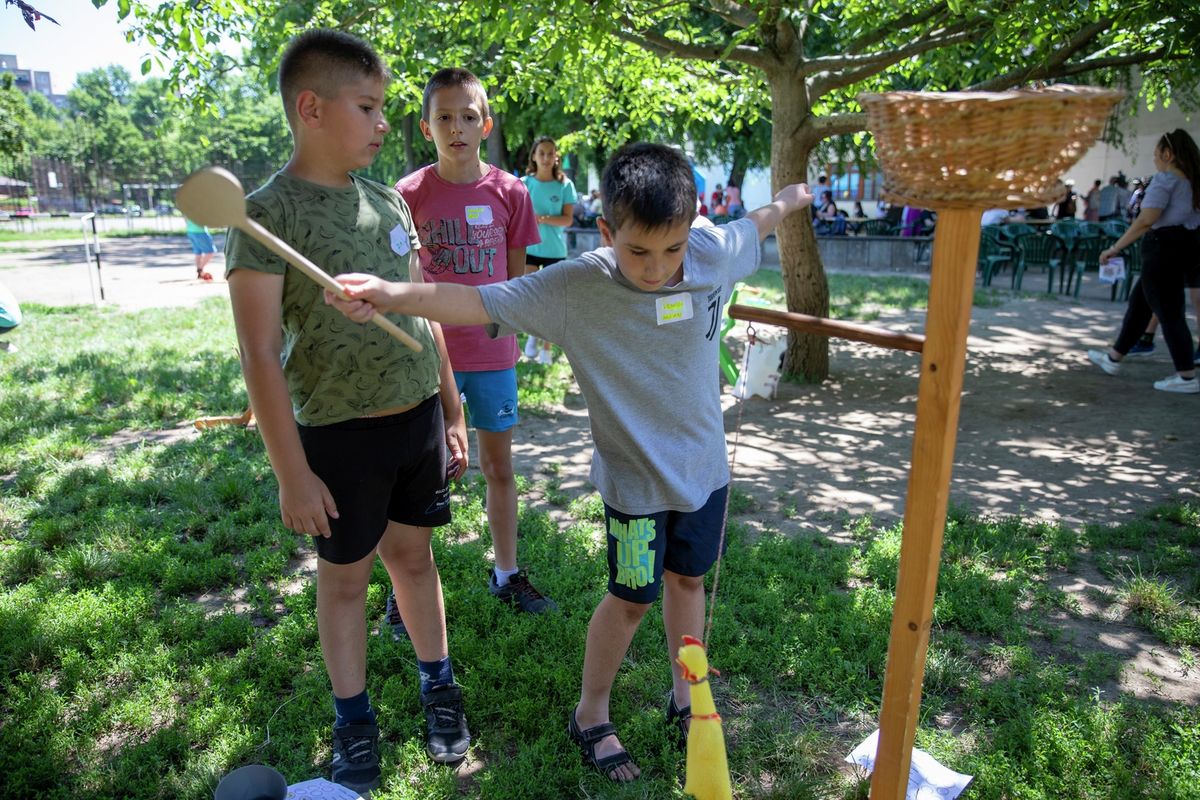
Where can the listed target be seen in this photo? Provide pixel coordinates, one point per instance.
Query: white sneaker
(1100, 359)
(1174, 383)
(531, 347)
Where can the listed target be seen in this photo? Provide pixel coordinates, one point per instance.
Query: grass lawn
(123, 677)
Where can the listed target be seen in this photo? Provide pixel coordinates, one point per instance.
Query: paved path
(143, 272)
(158, 271)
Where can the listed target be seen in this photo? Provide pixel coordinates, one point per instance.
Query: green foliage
(16, 120)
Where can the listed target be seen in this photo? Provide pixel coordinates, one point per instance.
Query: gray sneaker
(446, 724)
(392, 621)
(356, 757)
(520, 594)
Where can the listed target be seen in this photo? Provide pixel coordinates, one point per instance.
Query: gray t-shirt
(1173, 195)
(645, 361)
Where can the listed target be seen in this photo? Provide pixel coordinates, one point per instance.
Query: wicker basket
(983, 149)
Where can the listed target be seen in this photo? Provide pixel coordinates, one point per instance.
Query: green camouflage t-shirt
(337, 369)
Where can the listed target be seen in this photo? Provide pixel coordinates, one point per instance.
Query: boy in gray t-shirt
(639, 322)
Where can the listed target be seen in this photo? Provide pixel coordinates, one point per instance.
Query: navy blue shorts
(380, 469)
(641, 547)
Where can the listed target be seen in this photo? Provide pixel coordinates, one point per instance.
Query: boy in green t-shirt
(351, 419)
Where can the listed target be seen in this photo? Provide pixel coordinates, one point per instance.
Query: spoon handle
(297, 260)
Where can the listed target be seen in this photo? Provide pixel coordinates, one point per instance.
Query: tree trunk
(737, 171)
(803, 273)
(497, 152)
(408, 129)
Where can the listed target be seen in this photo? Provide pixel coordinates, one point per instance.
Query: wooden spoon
(214, 198)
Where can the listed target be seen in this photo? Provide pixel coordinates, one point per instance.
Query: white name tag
(400, 244)
(479, 215)
(673, 308)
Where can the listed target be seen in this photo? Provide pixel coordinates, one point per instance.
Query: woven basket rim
(1053, 93)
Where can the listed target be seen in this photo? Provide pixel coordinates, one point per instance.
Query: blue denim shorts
(640, 547)
(491, 398)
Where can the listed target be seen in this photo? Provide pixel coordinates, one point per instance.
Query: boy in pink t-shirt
(474, 222)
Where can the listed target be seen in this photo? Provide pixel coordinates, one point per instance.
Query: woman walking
(1170, 222)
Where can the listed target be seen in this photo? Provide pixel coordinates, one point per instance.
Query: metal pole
(91, 252)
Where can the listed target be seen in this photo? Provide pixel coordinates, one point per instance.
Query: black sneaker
(393, 621)
(520, 594)
(356, 757)
(447, 725)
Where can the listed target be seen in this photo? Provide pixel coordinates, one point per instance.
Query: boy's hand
(795, 197)
(365, 292)
(305, 504)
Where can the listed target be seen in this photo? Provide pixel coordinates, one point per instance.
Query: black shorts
(380, 469)
(641, 547)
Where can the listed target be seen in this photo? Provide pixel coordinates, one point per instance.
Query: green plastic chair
(1133, 268)
(1085, 255)
(1040, 250)
(995, 253)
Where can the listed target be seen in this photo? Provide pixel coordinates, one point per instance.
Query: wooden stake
(951, 289)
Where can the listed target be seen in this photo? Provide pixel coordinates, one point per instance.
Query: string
(737, 431)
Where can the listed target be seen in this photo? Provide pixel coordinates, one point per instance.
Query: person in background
(475, 223)
(552, 194)
(1170, 222)
(202, 248)
(1091, 203)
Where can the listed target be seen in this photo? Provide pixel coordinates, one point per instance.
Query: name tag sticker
(479, 215)
(399, 235)
(673, 308)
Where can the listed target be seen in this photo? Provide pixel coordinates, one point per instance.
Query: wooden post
(951, 288)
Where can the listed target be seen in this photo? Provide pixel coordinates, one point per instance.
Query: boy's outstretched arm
(789, 199)
(451, 303)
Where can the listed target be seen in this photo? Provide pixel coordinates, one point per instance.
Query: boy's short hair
(651, 185)
(325, 60)
(449, 78)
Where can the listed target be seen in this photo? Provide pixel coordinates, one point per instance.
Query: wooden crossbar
(880, 337)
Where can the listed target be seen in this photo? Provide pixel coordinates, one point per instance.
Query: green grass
(75, 235)
(118, 681)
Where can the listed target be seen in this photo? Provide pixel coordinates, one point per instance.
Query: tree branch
(833, 125)
(932, 40)
(662, 46)
(865, 68)
(856, 46)
(733, 13)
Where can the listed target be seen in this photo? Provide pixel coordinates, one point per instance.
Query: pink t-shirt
(466, 230)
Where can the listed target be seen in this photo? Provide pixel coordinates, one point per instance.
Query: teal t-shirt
(337, 369)
(549, 198)
(193, 227)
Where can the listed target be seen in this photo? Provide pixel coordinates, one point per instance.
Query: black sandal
(587, 741)
(678, 718)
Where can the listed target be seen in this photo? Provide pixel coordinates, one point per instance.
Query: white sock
(503, 575)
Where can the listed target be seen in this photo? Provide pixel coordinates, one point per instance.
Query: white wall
(1141, 134)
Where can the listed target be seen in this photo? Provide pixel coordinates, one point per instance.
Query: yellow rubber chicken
(707, 767)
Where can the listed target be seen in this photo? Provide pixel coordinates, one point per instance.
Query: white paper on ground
(320, 789)
(927, 779)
